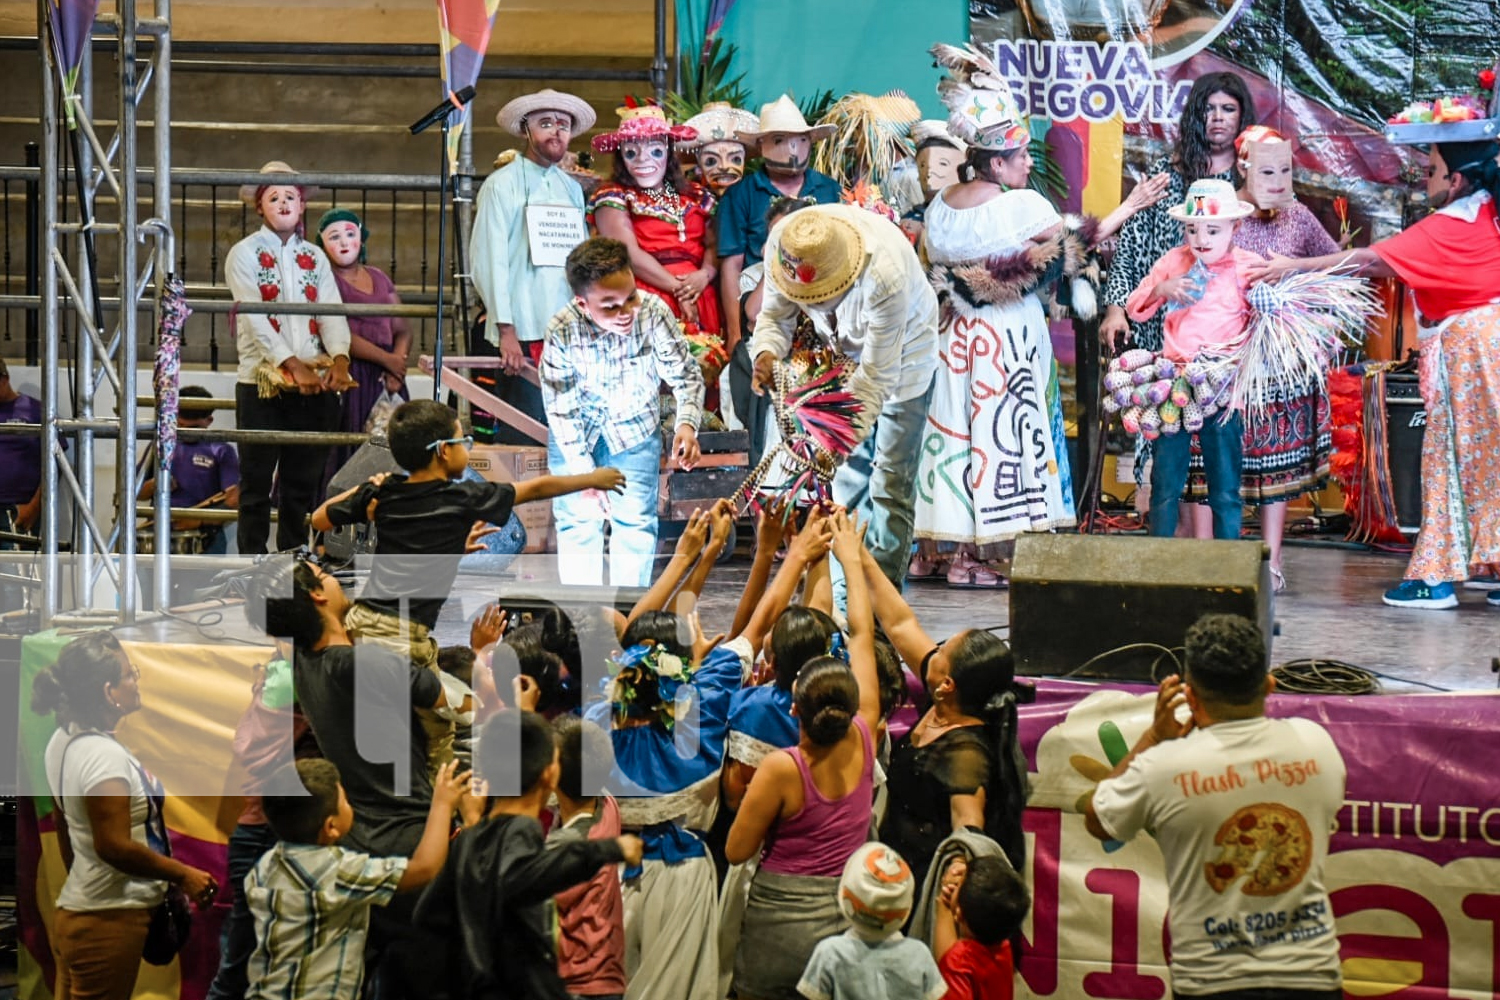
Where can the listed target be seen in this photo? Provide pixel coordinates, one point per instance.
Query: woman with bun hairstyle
(109, 823)
(807, 810)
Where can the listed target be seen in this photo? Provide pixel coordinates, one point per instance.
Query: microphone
(452, 103)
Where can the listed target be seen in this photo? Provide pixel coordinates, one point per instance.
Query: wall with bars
(235, 110)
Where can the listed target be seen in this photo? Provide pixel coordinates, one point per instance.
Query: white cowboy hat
(1211, 198)
(513, 115)
(719, 121)
(247, 191)
(783, 116)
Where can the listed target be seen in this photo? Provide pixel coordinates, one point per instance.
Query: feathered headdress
(982, 110)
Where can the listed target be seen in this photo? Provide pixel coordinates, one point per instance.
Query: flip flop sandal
(974, 576)
(923, 569)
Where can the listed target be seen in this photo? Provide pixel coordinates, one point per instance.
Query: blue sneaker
(1486, 581)
(1417, 594)
(1493, 598)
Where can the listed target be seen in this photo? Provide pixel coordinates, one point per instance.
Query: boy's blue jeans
(632, 519)
(1223, 451)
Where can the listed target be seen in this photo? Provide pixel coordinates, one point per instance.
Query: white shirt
(887, 321)
(1242, 811)
(261, 268)
(91, 760)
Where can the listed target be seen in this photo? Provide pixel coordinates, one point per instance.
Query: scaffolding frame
(101, 550)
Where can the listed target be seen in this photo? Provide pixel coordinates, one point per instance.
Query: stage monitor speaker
(1074, 598)
(1406, 424)
(372, 458)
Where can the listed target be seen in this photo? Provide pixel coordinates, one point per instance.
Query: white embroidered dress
(990, 468)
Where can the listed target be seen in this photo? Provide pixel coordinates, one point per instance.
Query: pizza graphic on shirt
(1267, 844)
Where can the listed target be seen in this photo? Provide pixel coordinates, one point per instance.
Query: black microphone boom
(452, 103)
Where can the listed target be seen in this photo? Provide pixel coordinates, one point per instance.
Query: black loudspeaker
(372, 458)
(1406, 425)
(1074, 598)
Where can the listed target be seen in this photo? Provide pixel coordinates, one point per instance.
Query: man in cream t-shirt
(1242, 807)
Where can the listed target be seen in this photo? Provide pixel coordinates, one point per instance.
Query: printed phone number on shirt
(1269, 927)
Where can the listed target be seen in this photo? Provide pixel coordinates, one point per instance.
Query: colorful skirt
(1287, 451)
(1459, 374)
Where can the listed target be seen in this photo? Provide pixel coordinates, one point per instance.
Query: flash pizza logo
(1267, 844)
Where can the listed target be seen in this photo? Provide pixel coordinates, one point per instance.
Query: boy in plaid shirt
(607, 353)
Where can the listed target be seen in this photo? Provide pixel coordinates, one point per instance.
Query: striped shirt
(598, 385)
(311, 907)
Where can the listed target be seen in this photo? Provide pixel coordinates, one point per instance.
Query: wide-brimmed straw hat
(719, 121)
(817, 256)
(1211, 198)
(783, 115)
(513, 115)
(931, 128)
(248, 191)
(638, 124)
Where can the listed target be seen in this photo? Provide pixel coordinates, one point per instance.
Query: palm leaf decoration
(815, 108)
(705, 78)
(1046, 173)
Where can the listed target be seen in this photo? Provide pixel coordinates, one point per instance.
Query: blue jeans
(632, 519)
(237, 937)
(878, 483)
(1223, 451)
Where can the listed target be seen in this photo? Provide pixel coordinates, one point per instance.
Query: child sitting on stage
(607, 353)
(422, 520)
(310, 899)
(1203, 284)
(981, 906)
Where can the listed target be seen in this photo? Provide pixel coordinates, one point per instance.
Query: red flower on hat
(1486, 78)
(312, 293)
(806, 273)
(268, 293)
(266, 260)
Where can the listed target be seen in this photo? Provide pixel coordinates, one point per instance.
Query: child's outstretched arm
(689, 546)
(849, 549)
(807, 548)
(770, 529)
(896, 616)
(321, 521)
(427, 860)
(721, 523)
(546, 487)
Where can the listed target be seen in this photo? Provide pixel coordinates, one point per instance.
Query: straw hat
(783, 115)
(636, 124)
(514, 113)
(719, 121)
(248, 191)
(1211, 199)
(818, 256)
(932, 128)
(876, 890)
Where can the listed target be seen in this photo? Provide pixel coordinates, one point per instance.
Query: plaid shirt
(311, 907)
(599, 385)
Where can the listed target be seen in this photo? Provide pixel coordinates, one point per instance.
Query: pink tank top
(825, 832)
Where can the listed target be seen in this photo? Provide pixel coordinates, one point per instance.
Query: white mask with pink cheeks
(1267, 167)
(281, 206)
(342, 243)
(646, 161)
(1210, 240)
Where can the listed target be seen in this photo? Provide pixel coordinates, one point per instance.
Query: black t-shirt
(420, 530)
(922, 780)
(359, 702)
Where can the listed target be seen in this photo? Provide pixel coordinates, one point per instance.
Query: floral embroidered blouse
(260, 268)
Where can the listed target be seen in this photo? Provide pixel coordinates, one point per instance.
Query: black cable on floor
(1314, 676)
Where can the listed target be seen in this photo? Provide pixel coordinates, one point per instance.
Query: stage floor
(1331, 609)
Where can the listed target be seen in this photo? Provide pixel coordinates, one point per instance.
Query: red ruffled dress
(672, 227)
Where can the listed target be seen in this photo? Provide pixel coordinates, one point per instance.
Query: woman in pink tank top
(807, 809)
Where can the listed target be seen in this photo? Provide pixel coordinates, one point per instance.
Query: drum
(191, 542)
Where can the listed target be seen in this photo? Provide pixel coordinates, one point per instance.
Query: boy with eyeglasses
(422, 520)
(607, 353)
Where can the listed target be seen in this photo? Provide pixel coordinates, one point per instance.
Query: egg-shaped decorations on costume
(1192, 418)
(1130, 419)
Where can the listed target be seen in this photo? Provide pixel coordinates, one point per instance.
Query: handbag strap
(156, 823)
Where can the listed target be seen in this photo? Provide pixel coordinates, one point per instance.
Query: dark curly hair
(594, 259)
(1190, 154)
(1225, 659)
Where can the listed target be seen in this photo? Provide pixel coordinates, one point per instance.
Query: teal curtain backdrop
(808, 46)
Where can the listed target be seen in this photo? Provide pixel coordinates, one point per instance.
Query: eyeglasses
(553, 124)
(467, 441)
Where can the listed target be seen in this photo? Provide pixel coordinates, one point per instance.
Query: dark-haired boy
(981, 907)
(310, 898)
(605, 358)
(1242, 807)
(421, 522)
(492, 902)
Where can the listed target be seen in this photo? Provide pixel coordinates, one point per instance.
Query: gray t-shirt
(849, 967)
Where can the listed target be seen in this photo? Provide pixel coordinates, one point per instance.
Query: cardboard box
(506, 463)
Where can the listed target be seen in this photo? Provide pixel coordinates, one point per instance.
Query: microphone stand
(440, 115)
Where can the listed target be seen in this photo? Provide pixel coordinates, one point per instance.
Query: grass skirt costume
(1288, 446)
(994, 460)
